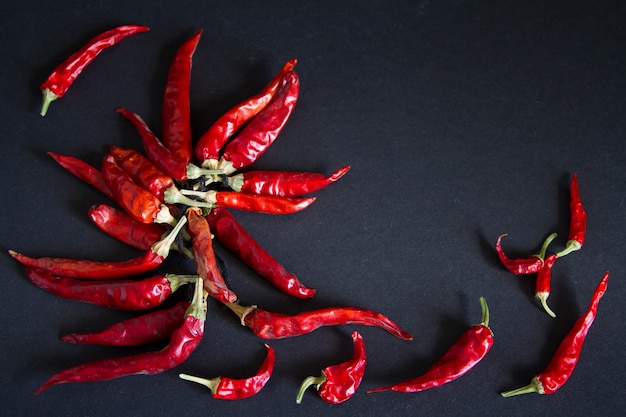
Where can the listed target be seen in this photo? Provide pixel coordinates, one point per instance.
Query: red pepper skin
(261, 203)
(84, 171)
(212, 141)
(562, 364)
(151, 327)
(578, 220)
(142, 171)
(542, 286)
(234, 238)
(64, 75)
(124, 228)
(518, 266)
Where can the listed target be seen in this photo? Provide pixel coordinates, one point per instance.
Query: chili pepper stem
(174, 196)
(543, 298)
(177, 280)
(484, 320)
(198, 305)
(195, 172)
(210, 383)
(544, 248)
(240, 311)
(164, 216)
(534, 386)
(317, 381)
(48, 97)
(162, 247)
(236, 182)
(570, 246)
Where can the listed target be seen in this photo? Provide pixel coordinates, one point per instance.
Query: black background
(461, 120)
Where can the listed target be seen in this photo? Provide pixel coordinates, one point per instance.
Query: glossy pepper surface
(578, 220)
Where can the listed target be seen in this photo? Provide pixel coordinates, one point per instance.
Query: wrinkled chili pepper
(224, 388)
(142, 171)
(338, 383)
(84, 171)
(269, 325)
(542, 287)
(566, 356)
(151, 327)
(522, 266)
(468, 350)
(62, 77)
(183, 342)
(578, 220)
(234, 238)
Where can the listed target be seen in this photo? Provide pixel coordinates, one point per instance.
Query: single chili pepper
(522, 266)
(86, 269)
(151, 327)
(224, 388)
(183, 342)
(542, 287)
(578, 220)
(338, 383)
(84, 171)
(204, 257)
(211, 142)
(468, 350)
(282, 183)
(268, 325)
(62, 77)
(234, 238)
(566, 357)
(142, 171)
(261, 132)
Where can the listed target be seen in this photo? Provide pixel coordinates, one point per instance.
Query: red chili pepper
(62, 77)
(339, 382)
(468, 350)
(211, 142)
(522, 266)
(234, 238)
(183, 342)
(84, 171)
(151, 327)
(142, 171)
(261, 204)
(578, 220)
(268, 325)
(542, 287)
(224, 388)
(566, 357)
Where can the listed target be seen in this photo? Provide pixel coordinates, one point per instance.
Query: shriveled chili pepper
(338, 383)
(84, 171)
(224, 388)
(542, 287)
(468, 350)
(578, 220)
(183, 342)
(269, 325)
(142, 171)
(211, 142)
(566, 356)
(522, 266)
(64, 75)
(151, 327)
(234, 238)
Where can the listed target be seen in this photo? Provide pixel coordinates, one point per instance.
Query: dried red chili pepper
(578, 220)
(224, 388)
(142, 171)
(62, 77)
(151, 327)
(268, 325)
(468, 350)
(522, 266)
(183, 342)
(566, 357)
(234, 238)
(338, 383)
(542, 287)
(84, 171)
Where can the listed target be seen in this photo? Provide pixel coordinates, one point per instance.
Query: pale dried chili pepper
(523, 266)
(339, 382)
(142, 171)
(62, 77)
(542, 286)
(566, 356)
(578, 220)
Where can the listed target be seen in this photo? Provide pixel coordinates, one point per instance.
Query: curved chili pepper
(151, 327)
(234, 238)
(211, 142)
(566, 356)
(338, 383)
(84, 171)
(142, 171)
(468, 350)
(183, 342)
(224, 388)
(578, 220)
(268, 325)
(522, 266)
(542, 287)
(62, 77)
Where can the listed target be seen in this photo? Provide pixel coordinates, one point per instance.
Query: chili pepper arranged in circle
(142, 171)
(84, 171)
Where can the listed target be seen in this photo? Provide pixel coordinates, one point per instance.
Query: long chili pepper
(204, 257)
(211, 142)
(468, 350)
(269, 325)
(566, 356)
(183, 342)
(282, 183)
(84, 171)
(542, 286)
(118, 294)
(261, 132)
(142, 171)
(234, 238)
(151, 327)
(522, 266)
(339, 382)
(224, 388)
(86, 269)
(578, 220)
(62, 77)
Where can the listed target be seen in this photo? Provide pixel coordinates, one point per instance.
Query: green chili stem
(198, 303)
(162, 247)
(195, 172)
(173, 196)
(485, 312)
(308, 381)
(570, 246)
(177, 280)
(211, 384)
(48, 97)
(534, 386)
(544, 248)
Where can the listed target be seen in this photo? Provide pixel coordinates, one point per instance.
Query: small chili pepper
(151, 327)
(234, 238)
(522, 266)
(566, 357)
(282, 183)
(142, 171)
(268, 325)
(84, 171)
(468, 350)
(211, 142)
(64, 75)
(338, 383)
(224, 388)
(183, 342)
(542, 287)
(578, 220)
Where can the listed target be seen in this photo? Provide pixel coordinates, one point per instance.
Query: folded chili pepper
(578, 220)
(522, 266)
(84, 171)
(142, 171)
